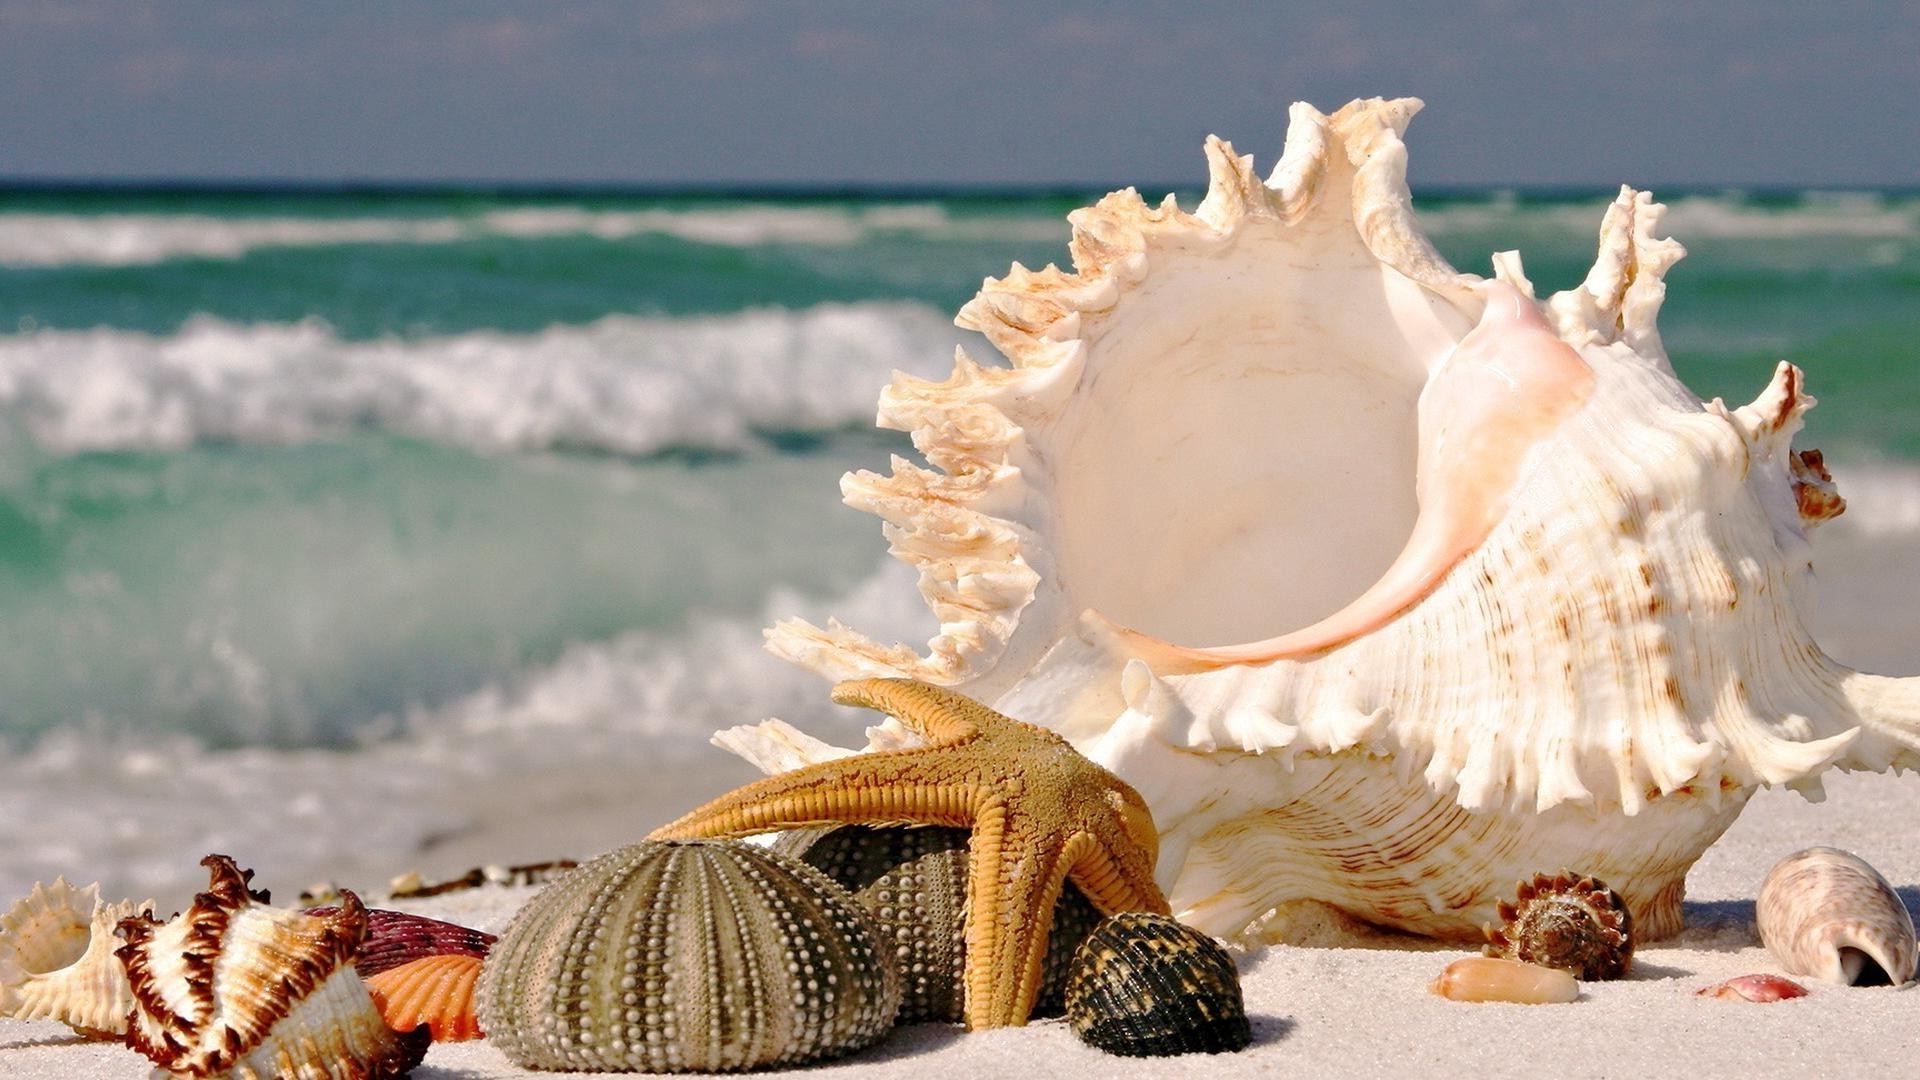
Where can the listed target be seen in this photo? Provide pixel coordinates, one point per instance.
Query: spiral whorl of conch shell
(57, 962)
(913, 881)
(1566, 921)
(1142, 985)
(1826, 914)
(1511, 595)
(687, 957)
(237, 988)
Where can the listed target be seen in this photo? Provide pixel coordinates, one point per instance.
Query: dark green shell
(913, 879)
(1143, 985)
(706, 956)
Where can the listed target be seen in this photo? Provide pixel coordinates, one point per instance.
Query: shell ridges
(679, 957)
(57, 959)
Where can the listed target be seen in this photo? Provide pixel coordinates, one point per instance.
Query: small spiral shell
(1143, 985)
(701, 956)
(1826, 914)
(1565, 921)
(240, 990)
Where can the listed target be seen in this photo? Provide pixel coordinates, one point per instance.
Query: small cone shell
(57, 961)
(1826, 914)
(436, 991)
(1487, 978)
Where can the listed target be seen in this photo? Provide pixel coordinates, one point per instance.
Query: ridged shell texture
(1566, 921)
(436, 991)
(236, 988)
(400, 937)
(679, 957)
(1144, 985)
(57, 962)
(913, 881)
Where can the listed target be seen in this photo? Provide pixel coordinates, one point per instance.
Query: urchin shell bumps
(913, 880)
(1566, 921)
(687, 956)
(1143, 985)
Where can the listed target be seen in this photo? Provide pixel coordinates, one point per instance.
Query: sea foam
(622, 384)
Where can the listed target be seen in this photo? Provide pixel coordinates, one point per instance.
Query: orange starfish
(1040, 813)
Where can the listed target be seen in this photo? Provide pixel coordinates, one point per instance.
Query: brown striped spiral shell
(1144, 985)
(235, 988)
(913, 881)
(707, 956)
(1573, 923)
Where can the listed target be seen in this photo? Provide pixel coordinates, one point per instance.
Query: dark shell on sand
(1143, 985)
(913, 881)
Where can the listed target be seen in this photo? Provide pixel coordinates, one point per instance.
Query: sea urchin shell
(913, 881)
(1143, 985)
(1562, 921)
(679, 957)
(235, 988)
(57, 961)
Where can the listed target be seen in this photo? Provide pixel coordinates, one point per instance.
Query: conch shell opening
(1315, 540)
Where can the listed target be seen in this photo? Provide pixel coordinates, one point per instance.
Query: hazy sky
(964, 91)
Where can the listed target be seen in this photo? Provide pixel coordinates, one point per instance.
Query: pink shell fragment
(1758, 988)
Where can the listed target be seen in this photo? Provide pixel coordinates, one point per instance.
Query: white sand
(1367, 1012)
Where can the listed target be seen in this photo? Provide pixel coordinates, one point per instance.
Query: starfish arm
(1113, 882)
(934, 711)
(868, 788)
(1011, 891)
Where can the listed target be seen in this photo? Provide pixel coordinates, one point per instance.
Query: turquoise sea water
(342, 470)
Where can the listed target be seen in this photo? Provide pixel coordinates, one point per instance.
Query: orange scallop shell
(434, 990)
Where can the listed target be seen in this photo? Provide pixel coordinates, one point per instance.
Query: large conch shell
(1517, 599)
(57, 961)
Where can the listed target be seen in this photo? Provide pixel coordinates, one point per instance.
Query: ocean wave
(611, 720)
(34, 239)
(623, 384)
(1834, 215)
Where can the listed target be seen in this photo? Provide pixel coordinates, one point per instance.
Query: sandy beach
(1366, 1011)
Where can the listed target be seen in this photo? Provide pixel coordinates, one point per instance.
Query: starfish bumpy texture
(1040, 813)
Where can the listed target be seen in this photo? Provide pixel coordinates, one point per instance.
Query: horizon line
(163, 185)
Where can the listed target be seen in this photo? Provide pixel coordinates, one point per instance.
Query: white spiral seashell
(1510, 595)
(57, 962)
(1826, 914)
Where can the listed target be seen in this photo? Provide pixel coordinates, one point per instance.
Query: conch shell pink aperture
(1386, 585)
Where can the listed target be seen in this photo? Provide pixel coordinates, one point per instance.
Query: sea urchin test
(1386, 585)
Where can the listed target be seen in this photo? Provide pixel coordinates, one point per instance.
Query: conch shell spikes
(1253, 518)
